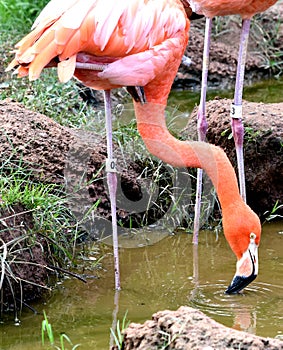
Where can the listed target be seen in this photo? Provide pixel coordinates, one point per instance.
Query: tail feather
(12, 65)
(30, 39)
(41, 60)
(66, 69)
(27, 57)
(22, 71)
(75, 45)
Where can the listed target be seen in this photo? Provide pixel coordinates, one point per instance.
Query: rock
(263, 147)
(188, 328)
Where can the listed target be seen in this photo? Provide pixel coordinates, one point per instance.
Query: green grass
(19, 15)
(265, 32)
(48, 96)
(47, 332)
(117, 334)
(46, 202)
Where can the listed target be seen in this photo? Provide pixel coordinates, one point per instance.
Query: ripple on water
(211, 298)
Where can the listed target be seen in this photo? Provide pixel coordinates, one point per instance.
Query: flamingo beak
(246, 269)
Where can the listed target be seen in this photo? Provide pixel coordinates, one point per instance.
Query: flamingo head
(243, 237)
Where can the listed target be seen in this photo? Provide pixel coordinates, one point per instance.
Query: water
(267, 91)
(165, 275)
(157, 277)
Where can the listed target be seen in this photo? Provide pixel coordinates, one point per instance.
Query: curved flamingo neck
(152, 127)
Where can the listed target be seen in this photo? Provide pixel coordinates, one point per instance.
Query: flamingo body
(210, 8)
(143, 35)
(139, 43)
(245, 8)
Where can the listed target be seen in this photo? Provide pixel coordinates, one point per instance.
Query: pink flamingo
(108, 44)
(211, 8)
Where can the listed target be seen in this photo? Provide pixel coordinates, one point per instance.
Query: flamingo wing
(134, 37)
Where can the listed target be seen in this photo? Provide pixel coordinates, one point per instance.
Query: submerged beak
(246, 270)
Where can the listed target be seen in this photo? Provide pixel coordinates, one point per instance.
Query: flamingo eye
(252, 237)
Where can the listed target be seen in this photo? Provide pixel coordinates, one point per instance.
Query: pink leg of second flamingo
(236, 109)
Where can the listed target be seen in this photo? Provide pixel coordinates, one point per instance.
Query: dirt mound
(187, 329)
(23, 257)
(264, 50)
(263, 147)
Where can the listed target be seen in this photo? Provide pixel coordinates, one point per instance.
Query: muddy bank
(264, 50)
(51, 151)
(24, 259)
(187, 329)
(263, 148)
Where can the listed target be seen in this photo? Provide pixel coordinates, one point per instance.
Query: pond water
(165, 275)
(267, 91)
(162, 276)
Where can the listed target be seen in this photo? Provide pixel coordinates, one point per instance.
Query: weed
(46, 202)
(265, 32)
(11, 254)
(168, 339)
(252, 135)
(48, 96)
(272, 214)
(221, 25)
(268, 35)
(46, 328)
(117, 334)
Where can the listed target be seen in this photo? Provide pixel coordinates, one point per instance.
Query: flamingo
(110, 44)
(246, 9)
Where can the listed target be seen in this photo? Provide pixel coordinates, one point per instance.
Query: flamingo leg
(202, 124)
(112, 185)
(236, 109)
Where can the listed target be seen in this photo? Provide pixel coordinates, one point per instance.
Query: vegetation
(265, 33)
(46, 202)
(117, 334)
(46, 330)
(19, 15)
(273, 214)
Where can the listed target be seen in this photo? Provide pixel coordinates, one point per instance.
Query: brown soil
(224, 50)
(263, 148)
(187, 329)
(26, 260)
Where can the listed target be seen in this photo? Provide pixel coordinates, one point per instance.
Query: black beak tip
(239, 283)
